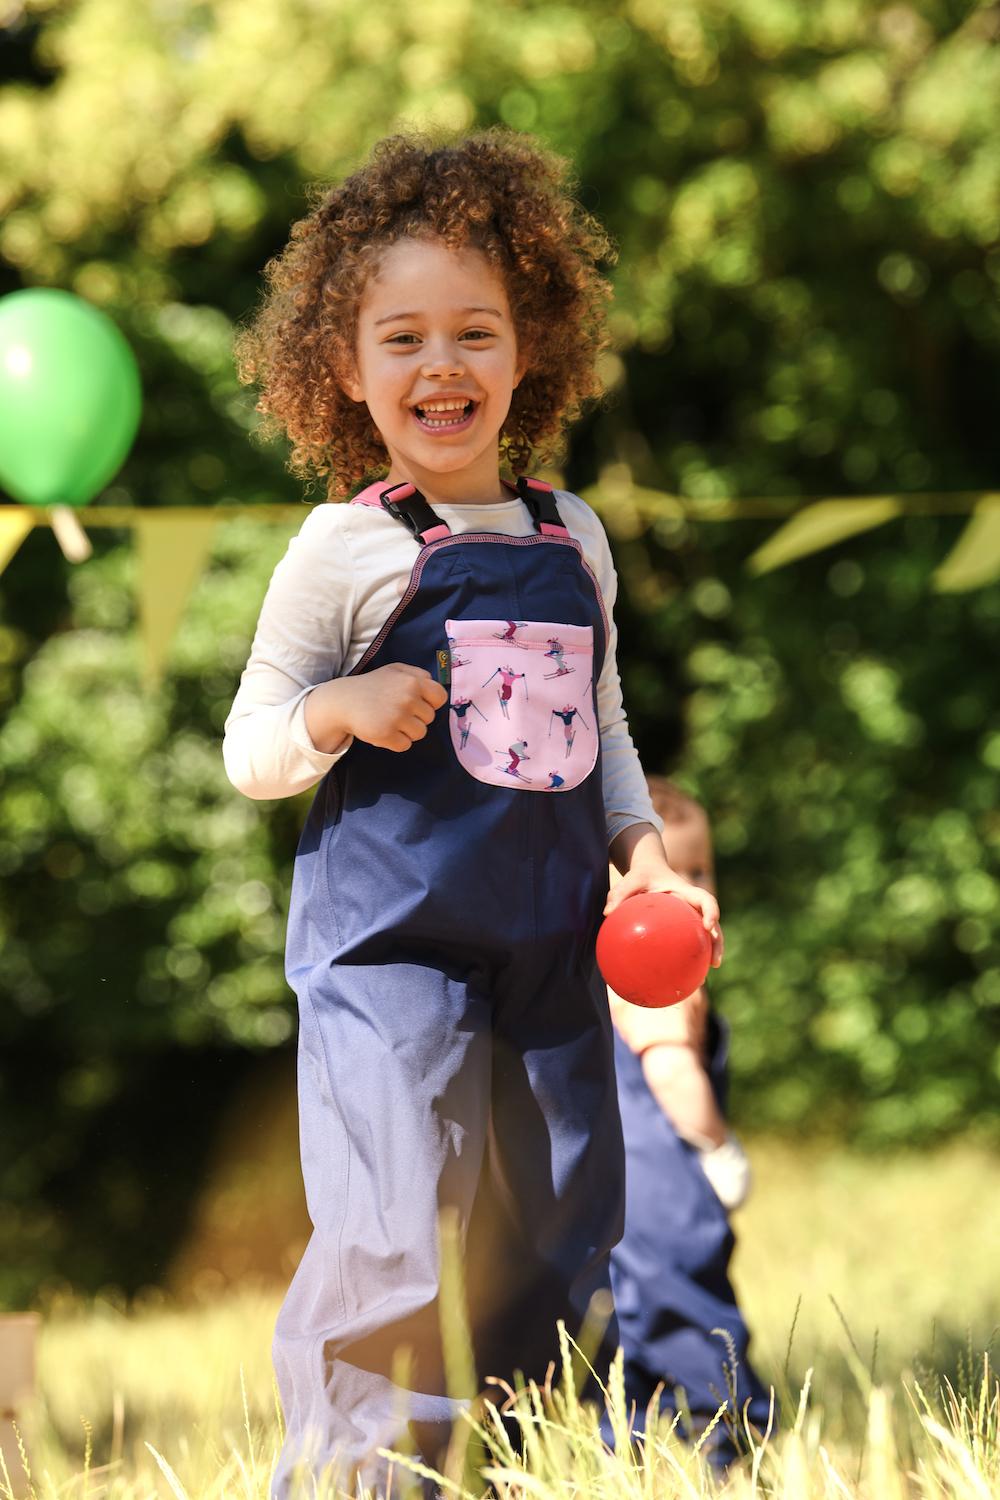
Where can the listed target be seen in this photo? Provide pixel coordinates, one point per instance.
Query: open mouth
(444, 416)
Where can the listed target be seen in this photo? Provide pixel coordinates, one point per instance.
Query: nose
(442, 361)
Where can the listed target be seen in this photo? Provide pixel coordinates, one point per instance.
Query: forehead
(688, 844)
(428, 277)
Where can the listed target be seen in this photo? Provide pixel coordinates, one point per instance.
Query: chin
(442, 460)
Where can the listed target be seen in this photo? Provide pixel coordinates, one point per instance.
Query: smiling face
(437, 363)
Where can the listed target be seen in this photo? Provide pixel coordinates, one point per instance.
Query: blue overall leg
(454, 1048)
(670, 1273)
(547, 1210)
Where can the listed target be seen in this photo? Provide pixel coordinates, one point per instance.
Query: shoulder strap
(407, 505)
(541, 502)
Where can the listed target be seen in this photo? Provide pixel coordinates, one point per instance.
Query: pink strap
(370, 495)
(539, 497)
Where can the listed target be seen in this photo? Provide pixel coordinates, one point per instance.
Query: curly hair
(673, 805)
(496, 192)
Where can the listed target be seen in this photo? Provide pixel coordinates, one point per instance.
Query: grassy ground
(895, 1256)
(884, 1266)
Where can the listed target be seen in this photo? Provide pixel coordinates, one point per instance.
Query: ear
(345, 372)
(350, 384)
(523, 364)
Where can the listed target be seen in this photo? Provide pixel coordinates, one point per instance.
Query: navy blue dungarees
(679, 1322)
(455, 1047)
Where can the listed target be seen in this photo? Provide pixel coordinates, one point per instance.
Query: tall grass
(923, 1440)
(870, 1287)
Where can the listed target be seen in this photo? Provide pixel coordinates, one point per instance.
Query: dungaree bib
(455, 1047)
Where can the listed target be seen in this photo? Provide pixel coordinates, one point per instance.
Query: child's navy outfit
(455, 1046)
(679, 1322)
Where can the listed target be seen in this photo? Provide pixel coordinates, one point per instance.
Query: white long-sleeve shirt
(337, 584)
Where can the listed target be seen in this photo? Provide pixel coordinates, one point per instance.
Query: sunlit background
(806, 199)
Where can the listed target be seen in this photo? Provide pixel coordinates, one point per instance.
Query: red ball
(654, 949)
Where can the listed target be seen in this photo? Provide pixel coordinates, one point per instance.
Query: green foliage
(841, 728)
(117, 814)
(806, 202)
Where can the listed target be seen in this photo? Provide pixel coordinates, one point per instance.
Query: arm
(301, 640)
(633, 827)
(638, 853)
(678, 1082)
(294, 715)
(390, 707)
(669, 1044)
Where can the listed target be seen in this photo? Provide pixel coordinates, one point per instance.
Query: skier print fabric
(522, 702)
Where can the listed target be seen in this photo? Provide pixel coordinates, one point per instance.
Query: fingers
(718, 948)
(615, 897)
(430, 691)
(405, 734)
(423, 711)
(703, 902)
(404, 666)
(706, 904)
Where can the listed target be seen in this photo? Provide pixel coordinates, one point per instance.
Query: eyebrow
(396, 317)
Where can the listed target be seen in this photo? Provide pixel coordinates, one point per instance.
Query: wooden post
(18, 1333)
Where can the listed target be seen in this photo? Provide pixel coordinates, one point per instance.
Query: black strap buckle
(407, 504)
(541, 503)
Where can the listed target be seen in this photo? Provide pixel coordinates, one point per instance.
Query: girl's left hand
(637, 880)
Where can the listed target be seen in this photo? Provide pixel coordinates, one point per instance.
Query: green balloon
(69, 398)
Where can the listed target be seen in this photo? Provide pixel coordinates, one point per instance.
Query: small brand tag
(444, 668)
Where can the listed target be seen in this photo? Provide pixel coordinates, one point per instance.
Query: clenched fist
(390, 707)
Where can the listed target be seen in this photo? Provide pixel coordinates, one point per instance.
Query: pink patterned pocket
(522, 702)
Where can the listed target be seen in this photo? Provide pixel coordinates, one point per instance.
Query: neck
(478, 484)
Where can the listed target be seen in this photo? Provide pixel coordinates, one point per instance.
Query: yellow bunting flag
(15, 523)
(821, 525)
(173, 552)
(975, 558)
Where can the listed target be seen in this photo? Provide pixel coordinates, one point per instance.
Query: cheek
(376, 380)
(502, 377)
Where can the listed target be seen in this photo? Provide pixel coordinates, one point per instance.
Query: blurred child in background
(679, 1322)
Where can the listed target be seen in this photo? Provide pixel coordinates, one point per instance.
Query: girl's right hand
(390, 707)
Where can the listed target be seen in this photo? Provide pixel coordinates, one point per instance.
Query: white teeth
(424, 409)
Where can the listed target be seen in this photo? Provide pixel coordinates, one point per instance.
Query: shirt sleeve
(301, 640)
(626, 795)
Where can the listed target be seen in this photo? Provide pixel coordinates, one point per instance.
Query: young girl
(437, 311)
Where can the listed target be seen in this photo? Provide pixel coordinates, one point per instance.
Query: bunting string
(175, 542)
